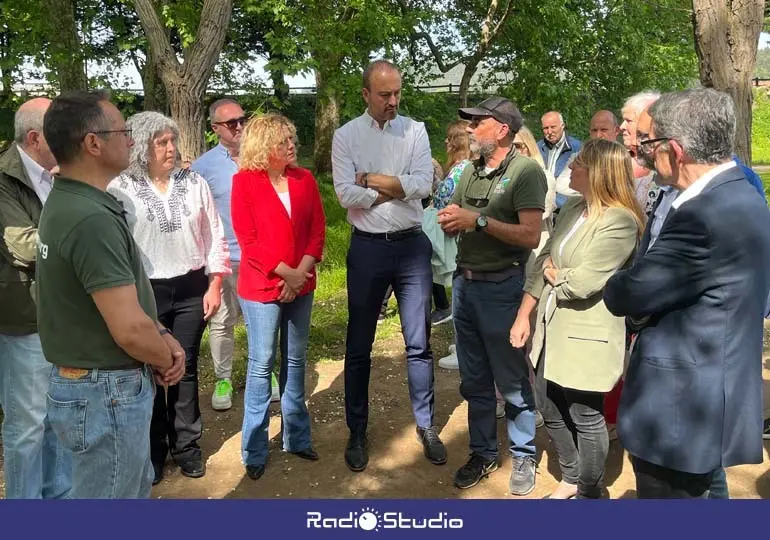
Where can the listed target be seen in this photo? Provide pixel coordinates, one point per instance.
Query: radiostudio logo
(370, 519)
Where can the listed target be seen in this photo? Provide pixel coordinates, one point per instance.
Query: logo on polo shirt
(501, 185)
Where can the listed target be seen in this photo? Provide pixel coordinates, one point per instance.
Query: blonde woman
(280, 225)
(578, 345)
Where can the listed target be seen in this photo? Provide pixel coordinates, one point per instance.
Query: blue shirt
(751, 176)
(218, 168)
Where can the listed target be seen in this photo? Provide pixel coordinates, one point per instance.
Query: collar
(480, 164)
(700, 184)
(86, 190)
(222, 150)
(562, 141)
(371, 122)
(34, 169)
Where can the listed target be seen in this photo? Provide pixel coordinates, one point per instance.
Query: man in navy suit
(692, 399)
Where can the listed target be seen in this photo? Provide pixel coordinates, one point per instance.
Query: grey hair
(217, 104)
(145, 126)
(26, 120)
(702, 120)
(642, 100)
(561, 118)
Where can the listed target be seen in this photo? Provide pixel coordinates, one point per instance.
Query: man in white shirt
(36, 464)
(382, 169)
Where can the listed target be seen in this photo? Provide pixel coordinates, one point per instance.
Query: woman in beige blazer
(578, 345)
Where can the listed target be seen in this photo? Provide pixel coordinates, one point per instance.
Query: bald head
(604, 125)
(28, 131)
(553, 126)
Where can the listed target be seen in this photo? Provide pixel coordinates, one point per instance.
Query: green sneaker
(276, 395)
(222, 398)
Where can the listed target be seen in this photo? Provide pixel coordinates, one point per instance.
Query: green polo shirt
(499, 195)
(84, 246)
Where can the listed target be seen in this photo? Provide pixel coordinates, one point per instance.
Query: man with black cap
(496, 209)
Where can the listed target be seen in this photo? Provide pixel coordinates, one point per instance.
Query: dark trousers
(656, 482)
(176, 415)
(483, 313)
(576, 426)
(372, 265)
(440, 300)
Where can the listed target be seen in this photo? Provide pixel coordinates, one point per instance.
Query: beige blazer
(584, 342)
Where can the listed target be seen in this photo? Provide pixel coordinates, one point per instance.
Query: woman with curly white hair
(172, 217)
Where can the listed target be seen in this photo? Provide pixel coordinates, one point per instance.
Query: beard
(484, 150)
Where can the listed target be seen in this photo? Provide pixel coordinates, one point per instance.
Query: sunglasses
(233, 123)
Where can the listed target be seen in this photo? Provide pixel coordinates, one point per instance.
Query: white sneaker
(450, 361)
(276, 395)
(222, 398)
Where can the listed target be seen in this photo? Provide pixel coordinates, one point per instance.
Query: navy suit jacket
(692, 397)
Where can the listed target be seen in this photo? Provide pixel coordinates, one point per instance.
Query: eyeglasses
(645, 145)
(233, 123)
(127, 132)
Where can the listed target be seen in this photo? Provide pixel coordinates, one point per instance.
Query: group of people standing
(562, 257)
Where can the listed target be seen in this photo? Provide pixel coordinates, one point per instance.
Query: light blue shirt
(668, 195)
(218, 168)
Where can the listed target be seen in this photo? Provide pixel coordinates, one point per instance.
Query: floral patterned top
(446, 188)
(647, 192)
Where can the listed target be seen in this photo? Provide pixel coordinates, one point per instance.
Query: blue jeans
(36, 464)
(263, 322)
(719, 489)
(103, 418)
(483, 314)
(373, 264)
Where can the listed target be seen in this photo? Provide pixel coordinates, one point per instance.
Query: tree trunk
(726, 38)
(471, 65)
(187, 110)
(66, 52)
(327, 119)
(186, 82)
(155, 97)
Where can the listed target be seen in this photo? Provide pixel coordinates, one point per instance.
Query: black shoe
(307, 453)
(255, 472)
(157, 469)
(193, 468)
(440, 316)
(432, 446)
(472, 472)
(356, 456)
(766, 430)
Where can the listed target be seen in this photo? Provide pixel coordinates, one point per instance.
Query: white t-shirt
(286, 200)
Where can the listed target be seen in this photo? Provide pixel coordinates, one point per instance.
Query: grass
(330, 313)
(765, 176)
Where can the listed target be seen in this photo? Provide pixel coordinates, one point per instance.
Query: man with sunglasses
(217, 167)
(497, 210)
(692, 399)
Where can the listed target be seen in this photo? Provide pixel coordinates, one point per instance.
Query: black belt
(500, 275)
(390, 236)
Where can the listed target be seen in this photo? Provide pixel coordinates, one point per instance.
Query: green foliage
(762, 68)
(760, 128)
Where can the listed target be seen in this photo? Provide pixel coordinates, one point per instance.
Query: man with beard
(497, 209)
(382, 170)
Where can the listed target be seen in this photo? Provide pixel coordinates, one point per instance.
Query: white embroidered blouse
(177, 231)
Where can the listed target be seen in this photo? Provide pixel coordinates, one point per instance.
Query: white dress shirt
(694, 189)
(41, 179)
(401, 148)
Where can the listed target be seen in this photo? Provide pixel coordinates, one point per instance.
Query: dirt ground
(397, 468)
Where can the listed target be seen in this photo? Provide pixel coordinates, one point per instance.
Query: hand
(454, 219)
(548, 262)
(211, 301)
(520, 332)
(360, 179)
(297, 279)
(287, 293)
(171, 375)
(550, 274)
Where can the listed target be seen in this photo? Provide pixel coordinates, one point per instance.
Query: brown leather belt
(500, 275)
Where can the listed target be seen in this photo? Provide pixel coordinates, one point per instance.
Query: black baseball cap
(498, 108)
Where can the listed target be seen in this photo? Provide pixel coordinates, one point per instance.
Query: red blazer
(268, 236)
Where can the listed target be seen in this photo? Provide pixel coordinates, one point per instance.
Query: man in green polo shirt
(96, 311)
(497, 210)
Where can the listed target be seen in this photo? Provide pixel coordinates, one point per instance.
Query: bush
(760, 128)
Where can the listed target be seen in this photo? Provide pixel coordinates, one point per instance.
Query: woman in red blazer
(280, 225)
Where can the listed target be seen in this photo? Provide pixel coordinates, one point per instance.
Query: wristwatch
(164, 331)
(481, 223)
